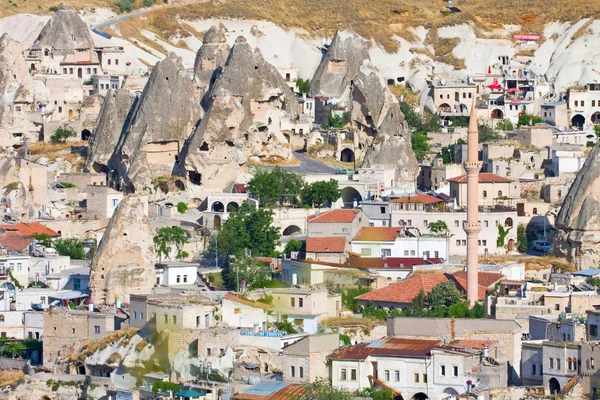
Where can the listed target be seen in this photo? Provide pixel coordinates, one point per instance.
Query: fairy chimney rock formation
(124, 262)
(161, 120)
(109, 124)
(578, 222)
(64, 33)
(375, 113)
(245, 107)
(211, 57)
(340, 65)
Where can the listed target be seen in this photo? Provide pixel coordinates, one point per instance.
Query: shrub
(148, 3)
(125, 6)
(61, 135)
(53, 9)
(182, 207)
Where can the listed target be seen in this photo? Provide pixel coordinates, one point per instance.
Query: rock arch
(291, 230)
(85, 134)
(347, 155)
(497, 114)
(349, 194)
(578, 120)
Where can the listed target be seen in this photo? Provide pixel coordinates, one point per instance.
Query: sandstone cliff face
(13, 71)
(162, 119)
(210, 58)
(578, 222)
(340, 65)
(377, 119)
(246, 104)
(124, 261)
(64, 33)
(113, 116)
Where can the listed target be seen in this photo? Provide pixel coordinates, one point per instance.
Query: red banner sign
(526, 37)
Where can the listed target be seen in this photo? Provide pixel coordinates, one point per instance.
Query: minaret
(472, 227)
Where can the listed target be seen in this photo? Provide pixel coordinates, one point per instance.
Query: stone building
(493, 189)
(102, 201)
(306, 359)
(507, 334)
(66, 330)
(241, 313)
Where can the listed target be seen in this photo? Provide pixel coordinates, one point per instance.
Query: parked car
(541, 245)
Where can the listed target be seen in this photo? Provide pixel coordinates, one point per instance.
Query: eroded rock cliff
(124, 262)
(578, 222)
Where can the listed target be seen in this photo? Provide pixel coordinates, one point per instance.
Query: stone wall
(82, 180)
(63, 333)
(205, 339)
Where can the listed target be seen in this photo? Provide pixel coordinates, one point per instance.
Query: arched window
(508, 222)
(499, 193)
(485, 194)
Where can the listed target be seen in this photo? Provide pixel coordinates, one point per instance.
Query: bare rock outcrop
(162, 119)
(376, 117)
(13, 71)
(246, 105)
(109, 125)
(578, 222)
(211, 58)
(124, 262)
(64, 33)
(340, 64)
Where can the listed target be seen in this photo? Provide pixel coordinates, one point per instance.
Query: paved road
(308, 166)
(121, 18)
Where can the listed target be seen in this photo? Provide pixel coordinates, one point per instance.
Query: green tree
(320, 192)
(419, 303)
(125, 6)
(248, 228)
(597, 131)
(420, 145)
(459, 122)
(320, 389)
(182, 207)
(594, 281)
(382, 394)
(303, 85)
(43, 239)
(61, 135)
(487, 134)
(164, 387)
(447, 154)
(272, 187)
(525, 117)
(337, 121)
(247, 269)
(292, 246)
(166, 238)
(443, 295)
(439, 228)
(505, 125)
(522, 238)
(70, 247)
(502, 233)
(349, 296)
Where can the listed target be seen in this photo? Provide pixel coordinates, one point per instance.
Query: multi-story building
(493, 189)
(421, 214)
(306, 359)
(330, 232)
(435, 176)
(398, 242)
(419, 368)
(453, 98)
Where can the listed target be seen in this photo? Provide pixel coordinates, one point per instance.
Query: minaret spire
(472, 227)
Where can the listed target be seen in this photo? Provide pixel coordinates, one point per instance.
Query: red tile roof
(392, 262)
(386, 347)
(240, 187)
(399, 347)
(377, 233)
(335, 244)
(418, 198)
(486, 279)
(13, 241)
(334, 216)
(29, 228)
(292, 391)
(236, 299)
(484, 177)
(405, 291)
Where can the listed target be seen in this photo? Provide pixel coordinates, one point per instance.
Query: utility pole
(217, 251)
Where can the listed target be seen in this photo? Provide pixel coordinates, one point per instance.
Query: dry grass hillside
(378, 20)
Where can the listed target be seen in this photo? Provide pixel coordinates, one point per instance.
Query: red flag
(489, 69)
